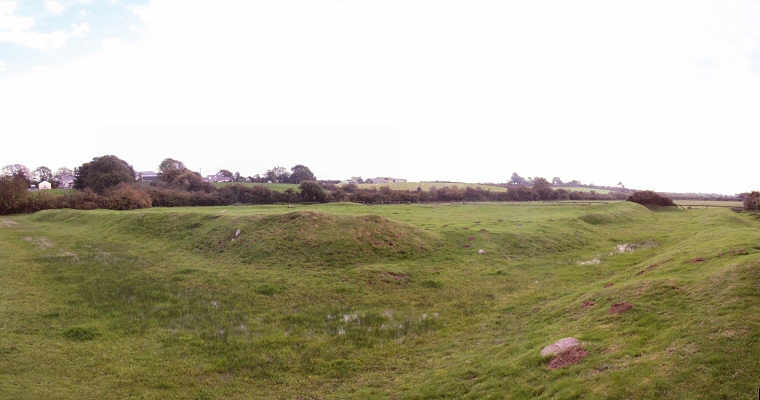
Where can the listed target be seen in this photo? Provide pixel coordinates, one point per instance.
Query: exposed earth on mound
(568, 357)
(620, 307)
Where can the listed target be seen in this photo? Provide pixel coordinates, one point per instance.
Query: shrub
(650, 198)
(752, 202)
(13, 195)
(125, 197)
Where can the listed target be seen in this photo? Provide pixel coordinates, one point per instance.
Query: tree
(103, 173)
(13, 194)
(63, 171)
(236, 177)
(42, 174)
(556, 181)
(752, 201)
(170, 169)
(277, 174)
(17, 170)
(650, 198)
(301, 173)
(542, 188)
(312, 192)
(516, 180)
(225, 172)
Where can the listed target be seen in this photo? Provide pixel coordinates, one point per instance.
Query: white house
(44, 185)
(66, 181)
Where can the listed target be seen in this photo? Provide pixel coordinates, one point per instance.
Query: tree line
(109, 182)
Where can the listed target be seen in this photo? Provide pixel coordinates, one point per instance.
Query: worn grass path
(341, 300)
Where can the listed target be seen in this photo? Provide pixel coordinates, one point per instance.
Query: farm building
(218, 178)
(149, 176)
(66, 182)
(44, 185)
(385, 180)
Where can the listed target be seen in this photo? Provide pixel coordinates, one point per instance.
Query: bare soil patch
(698, 259)
(620, 308)
(647, 269)
(8, 223)
(587, 304)
(609, 285)
(398, 276)
(567, 358)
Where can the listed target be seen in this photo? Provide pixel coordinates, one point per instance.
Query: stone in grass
(481, 251)
(560, 346)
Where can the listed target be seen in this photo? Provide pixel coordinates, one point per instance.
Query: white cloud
(84, 12)
(112, 44)
(37, 40)
(135, 28)
(20, 30)
(2, 65)
(10, 22)
(54, 6)
(80, 29)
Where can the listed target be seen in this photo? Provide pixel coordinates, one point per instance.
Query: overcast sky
(657, 95)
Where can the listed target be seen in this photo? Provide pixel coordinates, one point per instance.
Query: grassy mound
(164, 304)
(285, 239)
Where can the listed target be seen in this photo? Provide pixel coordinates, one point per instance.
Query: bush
(650, 198)
(13, 195)
(125, 197)
(752, 202)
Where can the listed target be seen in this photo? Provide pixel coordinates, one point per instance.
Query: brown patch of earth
(466, 245)
(609, 285)
(620, 308)
(471, 238)
(698, 259)
(739, 252)
(647, 268)
(397, 275)
(567, 358)
(587, 304)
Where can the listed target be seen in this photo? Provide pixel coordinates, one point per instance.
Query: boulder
(560, 346)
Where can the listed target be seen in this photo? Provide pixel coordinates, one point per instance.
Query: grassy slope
(162, 303)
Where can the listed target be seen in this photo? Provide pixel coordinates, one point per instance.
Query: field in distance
(341, 300)
(407, 186)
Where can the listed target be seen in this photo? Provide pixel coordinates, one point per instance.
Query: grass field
(278, 187)
(428, 185)
(343, 301)
(708, 203)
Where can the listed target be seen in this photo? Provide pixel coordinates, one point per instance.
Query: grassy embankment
(348, 301)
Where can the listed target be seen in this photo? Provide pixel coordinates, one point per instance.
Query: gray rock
(560, 346)
(481, 251)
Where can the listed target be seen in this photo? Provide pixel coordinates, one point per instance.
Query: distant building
(218, 178)
(355, 180)
(149, 176)
(66, 182)
(45, 185)
(380, 180)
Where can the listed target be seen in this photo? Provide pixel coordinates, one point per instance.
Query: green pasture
(708, 203)
(427, 185)
(277, 187)
(341, 301)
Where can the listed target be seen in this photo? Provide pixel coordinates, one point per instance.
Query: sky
(657, 95)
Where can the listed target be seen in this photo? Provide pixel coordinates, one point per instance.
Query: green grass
(349, 301)
(427, 185)
(277, 187)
